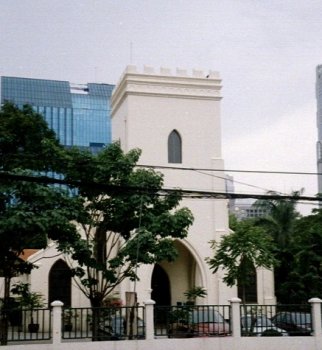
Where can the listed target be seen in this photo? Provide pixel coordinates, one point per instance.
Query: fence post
(235, 317)
(149, 319)
(57, 324)
(316, 316)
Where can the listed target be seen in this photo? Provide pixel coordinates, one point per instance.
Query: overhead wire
(26, 156)
(249, 185)
(186, 193)
(209, 172)
(212, 170)
(230, 170)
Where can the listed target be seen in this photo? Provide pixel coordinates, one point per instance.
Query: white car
(260, 326)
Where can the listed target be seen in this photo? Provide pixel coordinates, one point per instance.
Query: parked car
(295, 323)
(208, 322)
(260, 326)
(114, 328)
(198, 322)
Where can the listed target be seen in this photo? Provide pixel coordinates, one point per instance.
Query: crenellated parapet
(165, 82)
(179, 72)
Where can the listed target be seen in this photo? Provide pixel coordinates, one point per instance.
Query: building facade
(319, 124)
(79, 114)
(175, 120)
(245, 209)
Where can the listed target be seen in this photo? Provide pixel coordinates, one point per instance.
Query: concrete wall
(228, 343)
(234, 342)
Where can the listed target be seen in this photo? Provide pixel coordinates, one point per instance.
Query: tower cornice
(198, 85)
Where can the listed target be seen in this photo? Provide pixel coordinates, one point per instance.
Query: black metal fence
(25, 325)
(276, 320)
(192, 321)
(120, 323)
(108, 323)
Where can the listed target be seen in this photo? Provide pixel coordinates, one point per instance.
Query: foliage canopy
(125, 224)
(236, 253)
(30, 213)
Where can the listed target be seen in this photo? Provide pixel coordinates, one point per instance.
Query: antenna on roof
(131, 52)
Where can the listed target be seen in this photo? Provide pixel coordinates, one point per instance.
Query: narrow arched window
(174, 147)
(60, 277)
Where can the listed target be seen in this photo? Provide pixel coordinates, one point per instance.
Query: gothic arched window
(60, 283)
(174, 147)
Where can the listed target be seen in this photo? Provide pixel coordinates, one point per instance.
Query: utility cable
(114, 189)
(229, 170)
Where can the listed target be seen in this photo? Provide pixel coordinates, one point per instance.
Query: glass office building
(79, 114)
(319, 125)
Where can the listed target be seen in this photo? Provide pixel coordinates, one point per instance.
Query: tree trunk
(96, 304)
(100, 245)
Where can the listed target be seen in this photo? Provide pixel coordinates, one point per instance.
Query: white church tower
(175, 120)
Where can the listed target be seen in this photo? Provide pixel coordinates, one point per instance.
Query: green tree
(279, 223)
(127, 222)
(281, 217)
(305, 278)
(30, 212)
(237, 253)
(26, 141)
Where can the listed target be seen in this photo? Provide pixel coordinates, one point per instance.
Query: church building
(174, 118)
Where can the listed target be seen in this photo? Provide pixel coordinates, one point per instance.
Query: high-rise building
(319, 124)
(245, 209)
(242, 208)
(79, 114)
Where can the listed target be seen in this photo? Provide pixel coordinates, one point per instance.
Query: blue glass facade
(80, 115)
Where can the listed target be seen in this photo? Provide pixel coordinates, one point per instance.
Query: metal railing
(276, 320)
(120, 323)
(192, 321)
(108, 323)
(26, 325)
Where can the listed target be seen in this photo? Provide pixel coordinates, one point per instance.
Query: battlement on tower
(179, 72)
(164, 82)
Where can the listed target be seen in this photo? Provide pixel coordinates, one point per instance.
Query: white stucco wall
(146, 107)
(38, 279)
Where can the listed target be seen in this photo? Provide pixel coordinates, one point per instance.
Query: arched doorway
(161, 294)
(170, 280)
(160, 286)
(60, 283)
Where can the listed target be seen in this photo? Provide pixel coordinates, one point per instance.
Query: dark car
(209, 323)
(201, 322)
(295, 323)
(115, 328)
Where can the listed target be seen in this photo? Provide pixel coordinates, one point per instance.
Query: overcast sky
(265, 50)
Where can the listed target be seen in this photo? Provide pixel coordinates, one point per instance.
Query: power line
(207, 172)
(192, 194)
(232, 180)
(211, 170)
(229, 170)
(26, 156)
